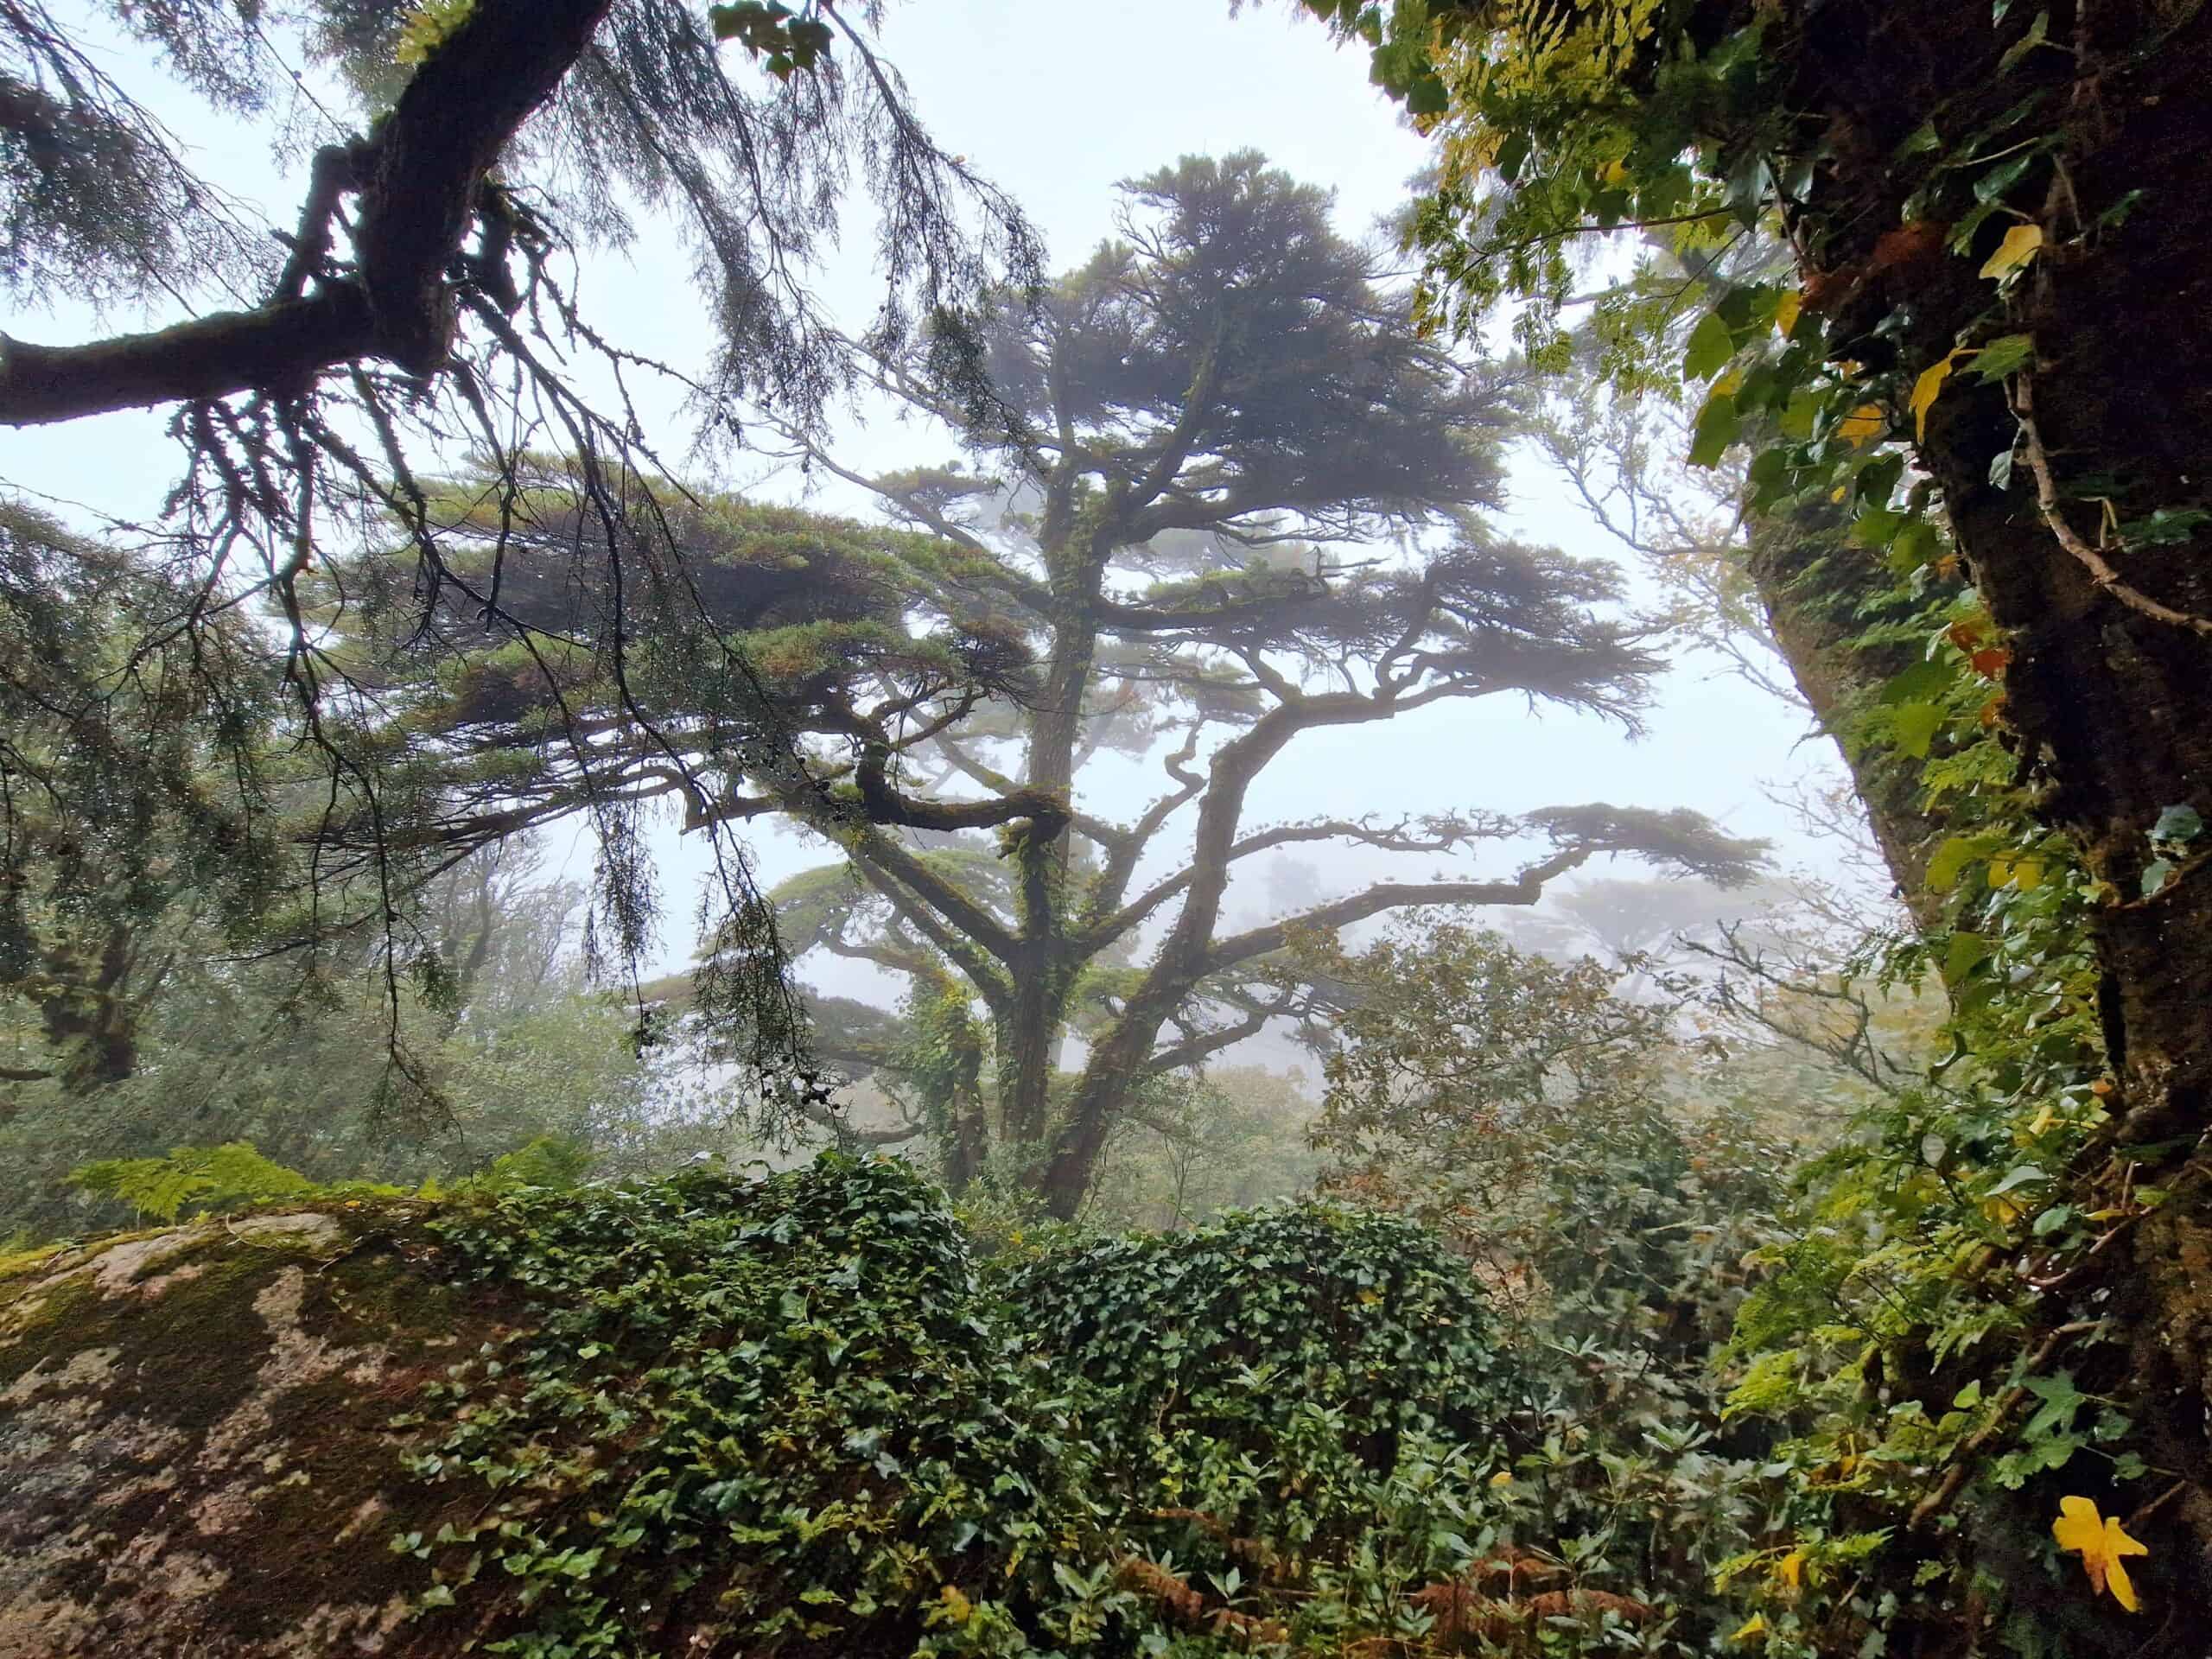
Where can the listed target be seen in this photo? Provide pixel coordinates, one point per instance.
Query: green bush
(1296, 1410)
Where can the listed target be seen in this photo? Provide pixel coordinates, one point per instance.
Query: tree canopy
(1145, 555)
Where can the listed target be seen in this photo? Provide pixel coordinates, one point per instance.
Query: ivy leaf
(2020, 245)
(1800, 413)
(2037, 31)
(1928, 388)
(1863, 425)
(1711, 347)
(1965, 952)
(1877, 527)
(1915, 725)
(2101, 1540)
(1716, 423)
(2177, 824)
(1914, 545)
(1950, 859)
(2002, 356)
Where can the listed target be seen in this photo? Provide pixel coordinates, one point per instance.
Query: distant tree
(423, 301)
(1142, 561)
(1193, 1145)
(117, 815)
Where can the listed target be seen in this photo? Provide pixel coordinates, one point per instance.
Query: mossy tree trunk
(2110, 686)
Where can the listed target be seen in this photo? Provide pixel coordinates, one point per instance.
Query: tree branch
(1527, 889)
(417, 179)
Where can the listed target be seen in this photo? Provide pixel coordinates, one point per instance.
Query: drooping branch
(417, 181)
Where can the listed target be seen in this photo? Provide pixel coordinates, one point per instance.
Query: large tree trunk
(1815, 588)
(2110, 687)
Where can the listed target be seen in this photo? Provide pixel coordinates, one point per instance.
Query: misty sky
(1057, 102)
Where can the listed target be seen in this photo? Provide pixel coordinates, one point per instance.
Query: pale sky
(1056, 101)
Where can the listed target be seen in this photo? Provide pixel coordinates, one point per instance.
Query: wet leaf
(2101, 1541)
(1863, 425)
(1711, 347)
(1928, 388)
(2020, 245)
(2003, 356)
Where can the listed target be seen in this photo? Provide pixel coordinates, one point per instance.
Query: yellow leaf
(1837, 493)
(2101, 1541)
(1755, 1625)
(1785, 312)
(1503, 1477)
(1863, 425)
(2019, 246)
(2021, 874)
(2042, 1122)
(1790, 1569)
(1615, 173)
(1927, 389)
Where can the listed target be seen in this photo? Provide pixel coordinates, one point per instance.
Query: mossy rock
(707, 1417)
(195, 1454)
(700, 1416)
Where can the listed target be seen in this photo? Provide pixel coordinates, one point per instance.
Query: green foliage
(1521, 1107)
(787, 41)
(765, 1412)
(788, 1414)
(197, 1178)
(428, 27)
(1190, 1147)
(1908, 1342)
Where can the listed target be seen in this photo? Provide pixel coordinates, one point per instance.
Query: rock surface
(195, 1449)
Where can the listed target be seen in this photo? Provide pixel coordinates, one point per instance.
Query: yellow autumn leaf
(2020, 245)
(2021, 874)
(2101, 1541)
(1927, 389)
(1790, 1569)
(1863, 425)
(1785, 312)
(1755, 1625)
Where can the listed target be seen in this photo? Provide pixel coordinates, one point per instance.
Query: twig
(2101, 569)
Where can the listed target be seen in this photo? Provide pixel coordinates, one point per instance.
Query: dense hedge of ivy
(749, 1415)
(794, 1416)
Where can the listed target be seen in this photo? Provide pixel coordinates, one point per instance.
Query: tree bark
(2110, 686)
(1815, 589)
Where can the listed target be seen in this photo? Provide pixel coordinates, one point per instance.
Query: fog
(1059, 105)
